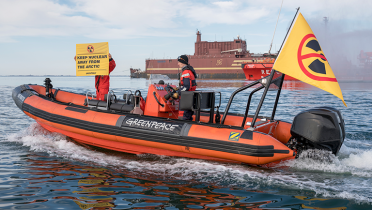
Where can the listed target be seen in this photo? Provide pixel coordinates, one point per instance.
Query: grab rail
(249, 103)
(162, 105)
(86, 95)
(232, 97)
(127, 96)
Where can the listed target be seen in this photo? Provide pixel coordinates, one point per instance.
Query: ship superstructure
(217, 60)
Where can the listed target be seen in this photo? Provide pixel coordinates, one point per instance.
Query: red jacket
(103, 81)
(188, 82)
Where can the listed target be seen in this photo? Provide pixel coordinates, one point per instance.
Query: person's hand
(110, 56)
(75, 57)
(175, 95)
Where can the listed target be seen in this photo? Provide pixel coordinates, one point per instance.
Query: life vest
(188, 78)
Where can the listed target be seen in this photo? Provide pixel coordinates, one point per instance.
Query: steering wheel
(170, 90)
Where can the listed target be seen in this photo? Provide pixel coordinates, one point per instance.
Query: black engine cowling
(318, 128)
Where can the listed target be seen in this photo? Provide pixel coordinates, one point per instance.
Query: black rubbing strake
(210, 144)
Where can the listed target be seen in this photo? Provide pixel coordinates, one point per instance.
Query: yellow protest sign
(92, 59)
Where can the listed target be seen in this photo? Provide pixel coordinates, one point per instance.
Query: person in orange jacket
(102, 82)
(188, 82)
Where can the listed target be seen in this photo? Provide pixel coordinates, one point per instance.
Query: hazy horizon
(40, 37)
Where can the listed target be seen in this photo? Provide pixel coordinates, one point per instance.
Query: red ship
(259, 69)
(214, 60)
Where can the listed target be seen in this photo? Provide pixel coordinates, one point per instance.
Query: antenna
(275, 27)
(326, 20)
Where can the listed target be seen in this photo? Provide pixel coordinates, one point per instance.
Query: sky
(39, 37)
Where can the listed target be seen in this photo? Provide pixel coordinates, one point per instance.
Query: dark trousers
(187, 115)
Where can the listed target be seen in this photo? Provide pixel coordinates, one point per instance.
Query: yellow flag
(302, 58)
(92, 59)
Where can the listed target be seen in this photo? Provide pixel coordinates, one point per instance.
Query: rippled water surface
(43, 170)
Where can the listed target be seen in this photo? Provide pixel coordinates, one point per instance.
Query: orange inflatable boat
(134, 125)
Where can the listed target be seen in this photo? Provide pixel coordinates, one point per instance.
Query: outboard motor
(318, 128)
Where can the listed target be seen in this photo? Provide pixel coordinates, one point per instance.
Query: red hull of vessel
(255, 71)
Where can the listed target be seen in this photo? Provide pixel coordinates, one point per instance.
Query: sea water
(44, 170)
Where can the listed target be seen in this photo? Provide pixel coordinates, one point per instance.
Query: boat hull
(137, 134)
(255, 71)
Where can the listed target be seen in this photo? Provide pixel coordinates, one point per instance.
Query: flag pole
(269, 79)
(285, 38)
(283, 75)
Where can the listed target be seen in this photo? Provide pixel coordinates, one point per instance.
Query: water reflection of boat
(67, 187)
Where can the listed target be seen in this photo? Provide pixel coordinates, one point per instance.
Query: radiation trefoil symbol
(90, 48)
(312, 61)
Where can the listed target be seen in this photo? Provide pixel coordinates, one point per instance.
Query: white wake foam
(337, 176)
